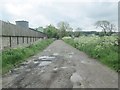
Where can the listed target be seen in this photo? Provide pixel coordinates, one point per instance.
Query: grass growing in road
(105, 49)
(12, 57)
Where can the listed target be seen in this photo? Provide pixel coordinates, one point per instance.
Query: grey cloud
(77, 14)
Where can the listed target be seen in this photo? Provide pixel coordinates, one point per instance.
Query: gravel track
(61, 66)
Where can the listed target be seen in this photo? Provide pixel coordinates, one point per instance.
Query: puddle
(46, 58)
(85, 62)
(44, 63)
(55, 54)
(55, 69)
(41, 61)
(36, 62)
(64, 67)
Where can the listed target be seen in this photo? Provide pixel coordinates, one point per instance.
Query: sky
(78, 13)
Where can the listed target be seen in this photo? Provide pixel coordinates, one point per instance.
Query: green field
(12, 57)
(105, 48)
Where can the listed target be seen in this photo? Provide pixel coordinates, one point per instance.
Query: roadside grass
(13, 57)
(98, 48)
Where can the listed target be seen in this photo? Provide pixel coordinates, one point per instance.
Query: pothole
(64, 67)
(85, 62)
(55, 54)
(46, 58)
(17, 70)
(76, 79)
(36, 62)
(44, 63)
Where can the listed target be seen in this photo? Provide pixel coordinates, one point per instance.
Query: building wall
(13, 36)
(22, 24)
(5, 42)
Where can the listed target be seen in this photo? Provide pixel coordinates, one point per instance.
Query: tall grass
(105, 49)
(12, 57)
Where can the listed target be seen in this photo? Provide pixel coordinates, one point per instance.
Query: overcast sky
(78, 13)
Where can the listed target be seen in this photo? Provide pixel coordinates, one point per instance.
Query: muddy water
(41, 61)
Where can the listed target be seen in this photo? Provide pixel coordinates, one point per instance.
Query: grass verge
(105, 53)
(12, 57)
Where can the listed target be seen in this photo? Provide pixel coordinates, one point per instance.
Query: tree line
(64, 29)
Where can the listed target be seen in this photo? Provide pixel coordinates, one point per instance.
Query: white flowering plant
(105, 48)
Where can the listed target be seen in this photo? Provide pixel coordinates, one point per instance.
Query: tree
(111, 28)
(106, 26)
(41, 29)
(51, 31)
(63, 27)
(78, 29)
(77, 32)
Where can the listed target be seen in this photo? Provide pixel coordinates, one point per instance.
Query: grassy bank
(105, 49)
(12, 57)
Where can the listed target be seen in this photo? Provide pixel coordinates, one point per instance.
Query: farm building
(20, 34)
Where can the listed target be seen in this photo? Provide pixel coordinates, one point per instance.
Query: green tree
(51, 31)
(63, 27)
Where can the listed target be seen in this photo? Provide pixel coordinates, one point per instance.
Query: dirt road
(61, 66)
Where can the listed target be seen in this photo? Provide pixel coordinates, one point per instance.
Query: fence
(13, 35)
